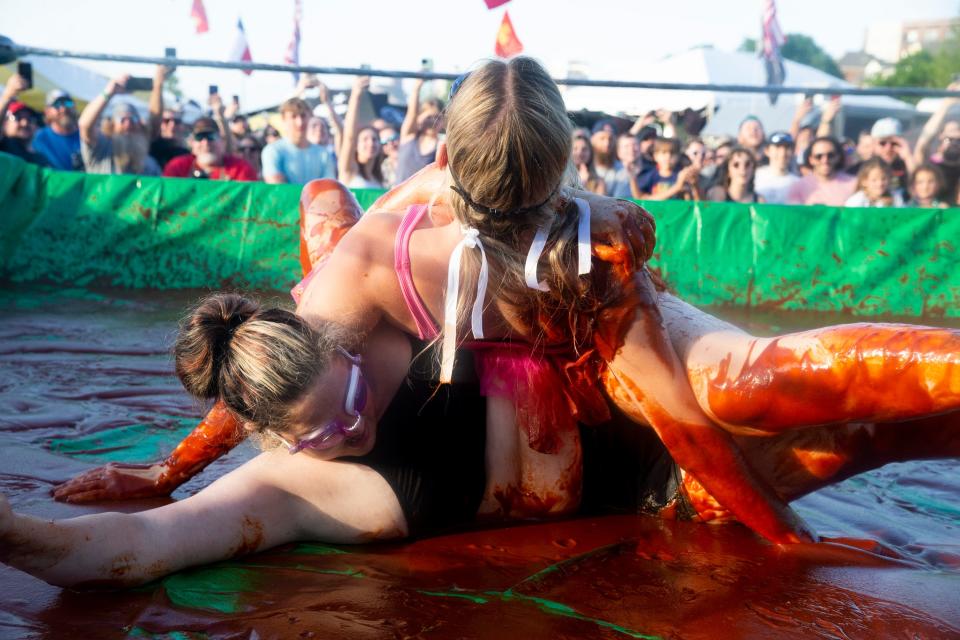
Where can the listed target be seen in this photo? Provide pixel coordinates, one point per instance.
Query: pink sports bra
(426, 326)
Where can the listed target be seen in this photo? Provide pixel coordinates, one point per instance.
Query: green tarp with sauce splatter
(159, 233)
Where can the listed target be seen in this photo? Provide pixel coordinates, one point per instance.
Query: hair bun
(204, 340)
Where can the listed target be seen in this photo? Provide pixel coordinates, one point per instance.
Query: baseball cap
(648, 132)
(16, 107)
(57, 94)
(780, 138)
(886, 128)
(602, 124)
(124, 110)
(205, 125)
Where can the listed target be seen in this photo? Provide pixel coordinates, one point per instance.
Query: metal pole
(915, 92)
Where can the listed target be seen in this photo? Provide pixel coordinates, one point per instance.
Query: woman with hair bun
(549, 287)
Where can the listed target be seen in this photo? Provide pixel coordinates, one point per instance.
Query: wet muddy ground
(86, 378)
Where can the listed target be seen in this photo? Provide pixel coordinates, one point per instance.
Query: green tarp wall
(127, 231)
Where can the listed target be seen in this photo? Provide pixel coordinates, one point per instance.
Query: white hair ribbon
(540, 242)
(471, 240)
(533, 258)
(583, 237)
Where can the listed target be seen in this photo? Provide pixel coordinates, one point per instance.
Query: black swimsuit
(431, 443)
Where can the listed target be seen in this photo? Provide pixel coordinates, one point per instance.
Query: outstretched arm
(647, 381)
(218, 433)
(347, 163)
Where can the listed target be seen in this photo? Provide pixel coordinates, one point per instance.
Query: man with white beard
(126, 151)
(207, 158)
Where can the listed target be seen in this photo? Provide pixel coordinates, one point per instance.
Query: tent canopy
(710, 66)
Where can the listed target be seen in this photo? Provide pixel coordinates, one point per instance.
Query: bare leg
(847, 373)
(273, 499)
(799, 462)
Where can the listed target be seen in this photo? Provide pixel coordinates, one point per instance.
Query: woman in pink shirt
(827, 184)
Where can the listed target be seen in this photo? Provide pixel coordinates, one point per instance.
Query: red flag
(493, 4)
(199, 16)
(508, 44)
(241, 48)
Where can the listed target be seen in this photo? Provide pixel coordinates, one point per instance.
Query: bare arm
(828, 117)
(335, 122)
(156, 101)
(408, 130)
(87, 122)
(932, 127)
(347, 164)
(640, 123)
(642, 380)
(805, 106)
(15, 84)
(216, 105)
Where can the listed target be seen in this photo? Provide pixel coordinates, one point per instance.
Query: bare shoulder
(617, 224)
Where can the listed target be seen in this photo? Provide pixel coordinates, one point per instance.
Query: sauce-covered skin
(730, 386)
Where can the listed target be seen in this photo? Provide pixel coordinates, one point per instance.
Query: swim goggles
(354, 403)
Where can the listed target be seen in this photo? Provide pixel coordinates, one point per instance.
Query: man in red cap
(19, 123)
(208, 159)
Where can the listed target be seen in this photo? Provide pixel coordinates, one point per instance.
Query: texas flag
(199, 17)
(508, 44)
(241, 48)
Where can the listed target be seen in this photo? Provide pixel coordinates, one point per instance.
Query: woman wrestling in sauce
(574, 321)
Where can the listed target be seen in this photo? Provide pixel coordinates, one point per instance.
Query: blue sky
(610, 36)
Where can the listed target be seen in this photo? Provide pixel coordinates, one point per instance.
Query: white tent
(710, 66)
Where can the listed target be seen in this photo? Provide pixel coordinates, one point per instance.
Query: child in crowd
(773, 182)
(738, 178)
(873, 186)
(925, 183)
(668, 181)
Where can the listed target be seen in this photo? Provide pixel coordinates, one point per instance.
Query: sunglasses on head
(354, 402)
(389, 139)
(209, 136)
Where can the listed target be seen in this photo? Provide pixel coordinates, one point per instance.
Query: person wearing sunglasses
(738, 174)
(890, 146)
(826, 183)
(59, 140)
(207, 159)
(126, 149)
(165, 125)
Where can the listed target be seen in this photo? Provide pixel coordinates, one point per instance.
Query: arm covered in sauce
(327, 211)
(646, 380)
(217, 433)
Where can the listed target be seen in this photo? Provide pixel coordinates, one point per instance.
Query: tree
(935, 69)
(803, 49)
(173, 85)
(799, 48)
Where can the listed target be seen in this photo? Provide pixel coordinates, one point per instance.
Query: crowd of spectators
(660, 156)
